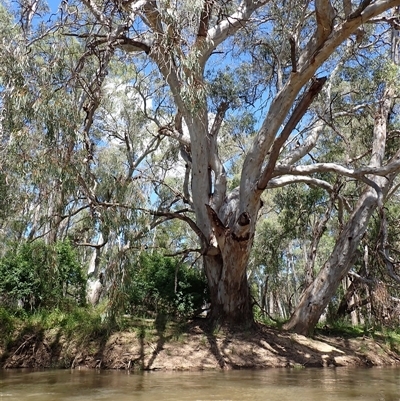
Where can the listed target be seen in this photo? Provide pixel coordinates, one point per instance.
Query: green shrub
(41, 276)
(164, 285)
(6, 322)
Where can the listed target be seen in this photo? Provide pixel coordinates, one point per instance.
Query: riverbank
(149, 346)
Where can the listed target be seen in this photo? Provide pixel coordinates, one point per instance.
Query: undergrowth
(342, 329)
(84, 324)
(78, 323)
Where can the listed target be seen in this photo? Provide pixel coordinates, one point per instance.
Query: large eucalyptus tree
(302, 43)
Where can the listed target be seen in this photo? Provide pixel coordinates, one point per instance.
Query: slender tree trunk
(318, 231)
(348, 298)
(271, 309)
(263, 295)
(282, 312)
(94, 284)
(354, 314)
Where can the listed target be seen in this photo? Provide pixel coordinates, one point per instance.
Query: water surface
(266, 385)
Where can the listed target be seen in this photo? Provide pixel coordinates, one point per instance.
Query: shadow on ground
(158, 345)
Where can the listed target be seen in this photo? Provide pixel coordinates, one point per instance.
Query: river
(341, 384)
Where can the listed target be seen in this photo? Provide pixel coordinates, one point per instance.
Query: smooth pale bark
(94, 291)
(94, 283)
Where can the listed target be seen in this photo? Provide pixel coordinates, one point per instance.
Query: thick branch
(183, 252)
(347, 309)
(175, 134)
(364, 4)
(296, 116)
(188, 220)
(153, 18)
(392, 167)
(325, 14)
(312, 182)
(347, 7)
(293, 54)
(300, 151)
(313, 54)
(219, 118)
(131, 45)
(285, 99)
(88, 244)
(227, 27)
(361, 278)
(219, 229)
(98, 14)
(215, 162)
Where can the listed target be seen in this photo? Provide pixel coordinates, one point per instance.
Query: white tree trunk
(94, 283)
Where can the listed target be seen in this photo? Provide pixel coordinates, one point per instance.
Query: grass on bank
(390, 336)
(87, 324)
(84, 325)
(79, 323)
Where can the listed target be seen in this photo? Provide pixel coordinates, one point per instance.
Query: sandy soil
(196, 348)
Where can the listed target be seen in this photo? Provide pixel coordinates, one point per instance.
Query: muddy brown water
(342, 384)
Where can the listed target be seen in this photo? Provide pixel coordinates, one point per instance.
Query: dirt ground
(194, 348)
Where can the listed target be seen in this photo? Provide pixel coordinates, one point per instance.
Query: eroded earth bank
(195, 348)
